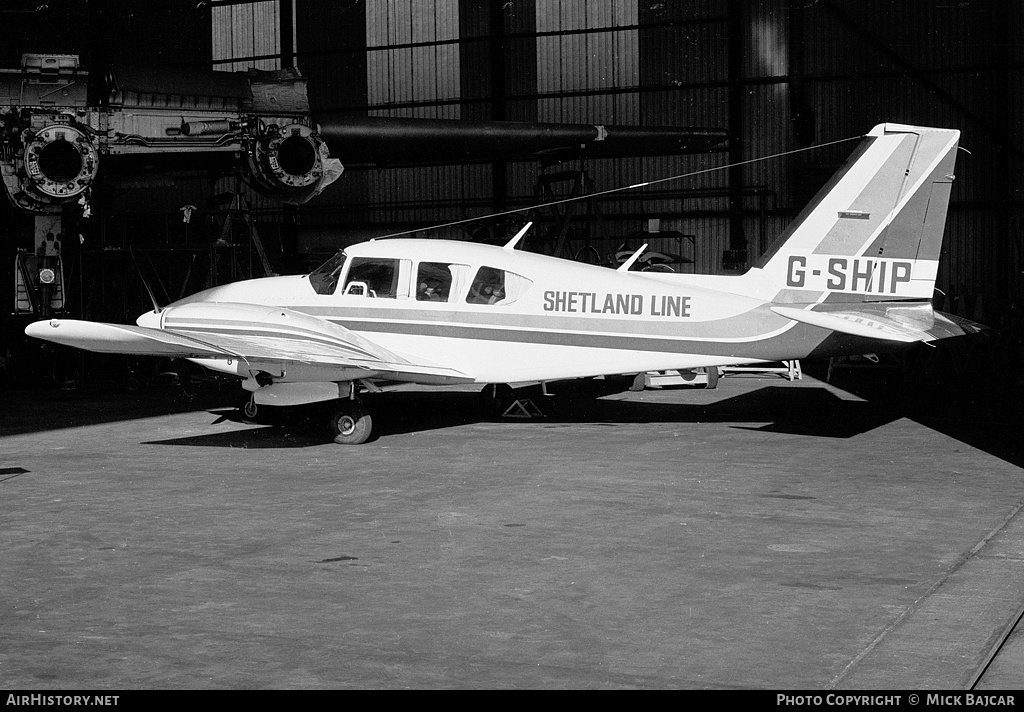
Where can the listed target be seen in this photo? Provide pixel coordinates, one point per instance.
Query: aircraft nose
(151, 319)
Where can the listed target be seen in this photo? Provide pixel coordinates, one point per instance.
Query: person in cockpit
(486, 293)
(429, 293)
(495, 293)
(488, 287)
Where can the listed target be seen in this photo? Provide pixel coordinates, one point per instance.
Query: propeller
(149, 290)
(179, 366)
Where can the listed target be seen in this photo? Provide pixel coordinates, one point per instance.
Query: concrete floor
(767, 534)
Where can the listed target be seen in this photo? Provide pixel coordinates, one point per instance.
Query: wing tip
(42, 329)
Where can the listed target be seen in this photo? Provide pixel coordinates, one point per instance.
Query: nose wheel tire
(350, 423)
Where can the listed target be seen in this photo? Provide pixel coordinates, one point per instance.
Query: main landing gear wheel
(712, 372)
(350, 423)
(495, 398)
(249, 408)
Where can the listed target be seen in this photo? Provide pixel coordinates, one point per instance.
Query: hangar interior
(787, 81)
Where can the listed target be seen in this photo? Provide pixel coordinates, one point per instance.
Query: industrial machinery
(62, 128)
(59, 126)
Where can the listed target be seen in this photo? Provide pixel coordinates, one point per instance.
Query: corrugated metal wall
(250, 32)
(942, 64)
(684, 82)
(582, 60)
(807, 74)
(413, 70)
(412, 54)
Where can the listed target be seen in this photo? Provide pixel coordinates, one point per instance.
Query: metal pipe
(206, 128)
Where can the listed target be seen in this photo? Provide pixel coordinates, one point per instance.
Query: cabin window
(439, 281)
(373, 277)
(324, 278)
(495, 286)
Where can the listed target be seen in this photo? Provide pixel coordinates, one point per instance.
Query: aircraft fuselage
(558, 319)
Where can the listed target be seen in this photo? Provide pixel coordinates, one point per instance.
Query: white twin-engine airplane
(854, 274)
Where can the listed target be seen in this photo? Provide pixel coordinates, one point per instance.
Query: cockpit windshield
(325, 277)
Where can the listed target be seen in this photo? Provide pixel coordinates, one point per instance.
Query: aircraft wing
(327, 345)
(121, 339)
(905, 324)
(404, 141)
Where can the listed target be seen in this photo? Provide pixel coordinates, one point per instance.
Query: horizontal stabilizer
(871, 326)
(950, 325)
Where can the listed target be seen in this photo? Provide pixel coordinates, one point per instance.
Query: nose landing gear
(249, 408)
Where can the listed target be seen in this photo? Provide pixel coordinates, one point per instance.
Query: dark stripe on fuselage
(752, 324)
(771, 348)
(798, 341)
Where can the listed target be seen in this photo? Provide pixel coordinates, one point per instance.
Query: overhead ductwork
(395, 141)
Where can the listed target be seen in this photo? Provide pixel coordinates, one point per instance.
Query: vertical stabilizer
(874, 232)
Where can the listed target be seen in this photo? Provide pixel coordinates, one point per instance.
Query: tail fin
(874, 233)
